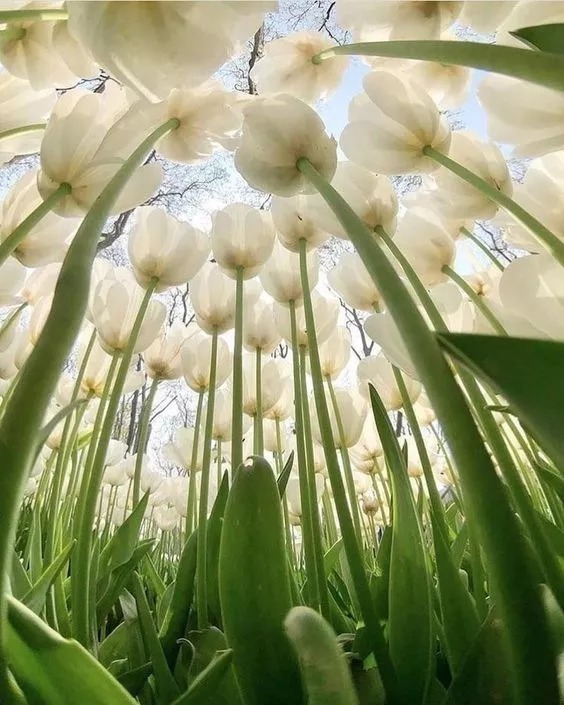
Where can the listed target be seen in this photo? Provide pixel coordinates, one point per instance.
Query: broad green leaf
(546, 37)
(166, 686)
(153, 577)
(410, 608)
(134, 680)
(332, 556)
(56, 671)
(34, 599)
(21, 584)
(121, 546)
(546, 69)
(528, 373)
(255, 590)
(284, 476)
(325, 672)
(213, 528)
(206, 684)
(176, 617)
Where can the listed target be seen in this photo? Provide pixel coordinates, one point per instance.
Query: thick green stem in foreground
(84, 628)
(521, 609)
(538, 67)
(547, 238)
(237, 409)
(201, 558)
(40, 374)
(351, 545)
(143, 438)
(8, 245)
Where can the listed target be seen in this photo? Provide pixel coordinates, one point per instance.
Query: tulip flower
(485, 16)
(242, 239)
(459, 199)
(390, 125)
(277, 132)
(527, 13)
(24, 112)
(212, 294)
(283, 408)
(80, 152)
(287, 67)
(156, 48)
(367, 454)
(196, 361)
(326, 313)
(271, 385)
(115, 306)
(179, 450)
(377, 371)
(448, 85)
(351, 409)
(163, 356)
(164, 248)
(97, 369)
(293, 221)
(354, 285)
(371, 196)
(12, 278)
(335, 352)
(259, 328)
(47, 241)
(280, 276)
(294, 496)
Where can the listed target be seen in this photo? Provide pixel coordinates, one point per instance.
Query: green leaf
(134, 680)
(176, 616)
(56, 671)
(332, 556)
(34, 599)
(213, 528)
(410, 607)
(35, 548)
(528, 373)
(254, 588)
(121, 546)
(153, 578)
(166, 686)
(20, 583)
(325, 672)
(544, 68)
(284, 476)
(546, 37)
(205, 685)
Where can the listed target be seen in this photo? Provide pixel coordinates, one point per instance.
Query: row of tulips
(307, 551)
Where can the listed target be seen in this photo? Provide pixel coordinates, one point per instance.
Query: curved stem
(32, 14)
(547, 238)
(483, 247)
(478, 301)
(8, 245)
(191, 509)
(33, 127)
(144, 427)
(237, 409)
(201, 556)
(510, 569)
(352, 548)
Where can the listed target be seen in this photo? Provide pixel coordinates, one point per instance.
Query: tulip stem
(348, 532)
(144, 429)
(40, 374)
(32, 14)
(83, 618)
(307, 515)
(11, 320)
(540, 67)
(547, 238)
(258, 436)
(23, 229)
(201, 556)
(191, 509)
(22, 129)
(237, 409)
(484, 248)
(512, 574)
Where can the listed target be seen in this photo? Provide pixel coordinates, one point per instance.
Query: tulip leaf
(410, 606)
(176, 616)
(34, 599)
(213, 528)
(20, 581)
(121, 546)
(325, 672)
(55, 671)
(528, 373)
(332, 556)
(134, 680)
(546, 37)
(204, 687)
(284, 476)
(254, 588)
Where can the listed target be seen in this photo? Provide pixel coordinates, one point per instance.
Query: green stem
(543, 68)
(83, 618)
(21, 130)
(237, 409)
(484, 248)
(547, 238)
(143, 438)
(201, 557)
(39, 376)
(478, 301)
(352, 548)
(8, 245)
(29, 15)
(258, 437)
(307, 514)
(518, 595)
(191, 509)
